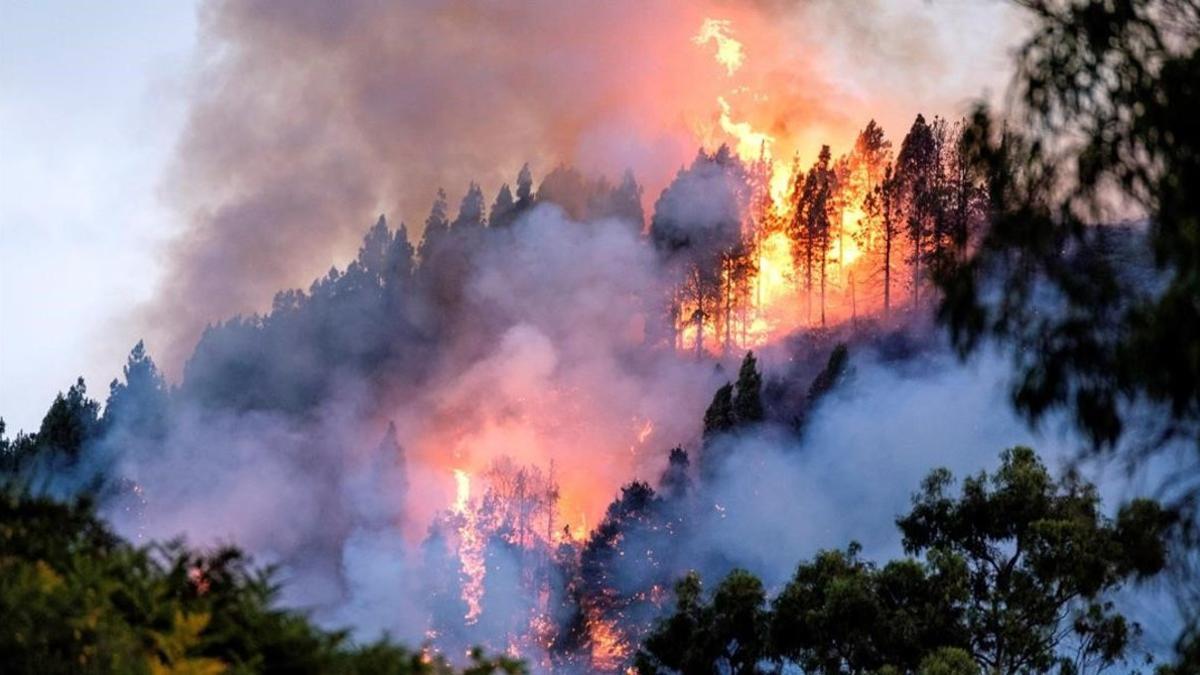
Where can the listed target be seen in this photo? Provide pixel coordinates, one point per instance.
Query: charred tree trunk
(916, 266)
(887, 271)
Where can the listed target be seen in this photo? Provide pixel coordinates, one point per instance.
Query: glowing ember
(609, 647)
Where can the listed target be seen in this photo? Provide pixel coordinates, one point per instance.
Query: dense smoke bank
(308, 119)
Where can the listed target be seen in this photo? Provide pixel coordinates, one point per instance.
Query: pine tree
(809, 229)
(524, 190)
(398, 261)
(747, 401)
(720, 416)
(966, 198)
(737, 269)
(885, 200)
(870, 156)
(138, 406)
(444, 578)
(675, 482)
(627, 202)
(693, 243)
(391, 454)
(470, 210)
(916, 166)
(818, 198)
(827, 379)
(503, 209)
(72, 421)
(373, 252)
(436, 227)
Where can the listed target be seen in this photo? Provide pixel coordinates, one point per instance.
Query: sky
(90, 104)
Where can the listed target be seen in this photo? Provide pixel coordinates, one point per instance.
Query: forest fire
(610, 647)
(776, 248)
(819, 247)
(470, 547)
(551, 337)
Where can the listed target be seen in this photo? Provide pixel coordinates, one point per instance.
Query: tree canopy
(1013, 574)
(76, 598)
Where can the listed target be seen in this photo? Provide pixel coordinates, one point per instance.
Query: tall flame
(462, 490)
(470, 547)
(749, 142)
(785, 294)
(729, 50)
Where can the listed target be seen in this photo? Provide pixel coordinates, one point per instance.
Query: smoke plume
(307, 118)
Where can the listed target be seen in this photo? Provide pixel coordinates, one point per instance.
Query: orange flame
(729, 51)
(470, 547)
(784, 296)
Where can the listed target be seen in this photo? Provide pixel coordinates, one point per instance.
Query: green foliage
(138, 406)
(72, 420)
(728, 634)
(948, 661)
(1013, 577)
(735, 405)
(1188, 655)
(719, 417)
(1106, 101)
(828, 378)
(840, 613)
(1103, 319)
(1032, 548)
(77, 599)
(747, 402)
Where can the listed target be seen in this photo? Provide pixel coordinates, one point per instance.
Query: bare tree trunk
(822, 293)
(728, 304)
(916, 275)
(853, 303)
(887, 272)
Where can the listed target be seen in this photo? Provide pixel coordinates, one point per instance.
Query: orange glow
(528, 411)
(852, 220)
(783, 296)
(521, 405)
(609, 646)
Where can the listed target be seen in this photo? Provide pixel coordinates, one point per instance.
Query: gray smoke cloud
(307, 118)
(544, 361)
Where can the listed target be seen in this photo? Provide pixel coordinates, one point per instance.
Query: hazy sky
(90, 104)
